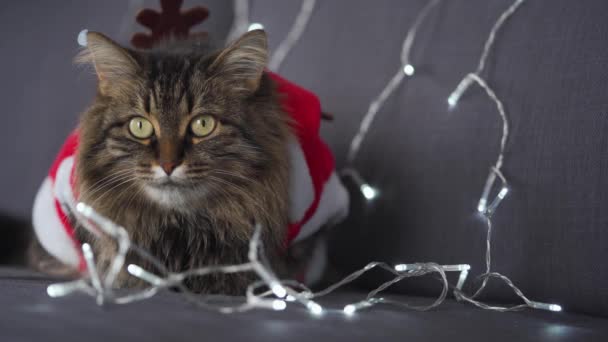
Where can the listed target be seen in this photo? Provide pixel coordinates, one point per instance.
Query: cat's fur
(235, 177)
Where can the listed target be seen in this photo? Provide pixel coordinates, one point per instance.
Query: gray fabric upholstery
(549, 66)
(29, 315)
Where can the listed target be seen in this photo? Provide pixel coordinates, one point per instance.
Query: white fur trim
(317, 263)
(333, 207)
(49, 229)
(63, 185)
(301, 189)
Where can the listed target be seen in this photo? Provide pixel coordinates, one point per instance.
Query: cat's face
(175, 128)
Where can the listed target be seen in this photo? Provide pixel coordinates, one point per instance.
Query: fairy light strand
(241, 25)
(279, 293)
(241, 19)
(406, 69)
(296, 31)
(487, 211)
(280, 290)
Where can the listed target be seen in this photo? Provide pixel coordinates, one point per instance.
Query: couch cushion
(549, 66)
(28, 314)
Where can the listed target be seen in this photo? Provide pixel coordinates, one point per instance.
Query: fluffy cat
(186, 148)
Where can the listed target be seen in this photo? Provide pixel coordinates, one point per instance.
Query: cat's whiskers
(101, 191)
(106, 192)
(105, 180)
(232, 174)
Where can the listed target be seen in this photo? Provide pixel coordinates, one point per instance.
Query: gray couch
(550, 68)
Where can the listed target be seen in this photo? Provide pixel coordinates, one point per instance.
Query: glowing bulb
(545, 306)
(481, 207)
(462, 278)
(503, 192)
(140, 273)
(460, 89)
(255, 26)
(401, 268)
(452, 101)
(82, 208)
(408, 69)
(350, 309)
(278, 305)
(290, 298)
(135, 270)
(87, 250)
(368, 192)
(60, 290)
(555, 307)
(82, 38)
(314, 308)
(55, 290)
(279, 290)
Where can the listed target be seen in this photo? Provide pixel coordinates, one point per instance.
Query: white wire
(298, 27)
(492, 36)
(127, 18)
(240, 21)
(391, 86)
(240, 25)
(495, 171)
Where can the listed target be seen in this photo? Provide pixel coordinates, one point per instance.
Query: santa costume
(317, 196)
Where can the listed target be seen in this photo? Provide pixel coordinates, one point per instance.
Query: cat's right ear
(242, 63)
(113, 63)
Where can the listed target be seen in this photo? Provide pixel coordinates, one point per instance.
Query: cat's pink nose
(168, 167)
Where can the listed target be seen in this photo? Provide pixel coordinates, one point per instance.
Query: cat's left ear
(114, 65)
(242, 63)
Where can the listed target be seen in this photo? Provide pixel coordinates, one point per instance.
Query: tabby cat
(186, 148)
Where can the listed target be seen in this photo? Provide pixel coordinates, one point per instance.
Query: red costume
(316, 195)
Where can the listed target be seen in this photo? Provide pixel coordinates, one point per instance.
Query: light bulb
(350, 309)
(368, 192)
(279, 290)
(503, 192)
(314, 308)
(481, 207)
(545, 306)
(255, 26)
(82, 38)
(409, 70)
(278, 305)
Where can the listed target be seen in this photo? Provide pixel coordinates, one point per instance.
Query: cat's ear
(242, 63)
(111, 61)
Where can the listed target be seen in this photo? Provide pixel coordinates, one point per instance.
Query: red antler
(169, 22)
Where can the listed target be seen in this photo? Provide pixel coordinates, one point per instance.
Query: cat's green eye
(203, 125)
(141, 128)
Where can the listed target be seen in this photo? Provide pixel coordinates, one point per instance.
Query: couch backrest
(549, 66)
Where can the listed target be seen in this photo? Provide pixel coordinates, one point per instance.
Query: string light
(293, 36)
(241, 25)
(240, 22)
(278, 292)
(255, 26)
(406, 69)
(495, 172)
(369, 192)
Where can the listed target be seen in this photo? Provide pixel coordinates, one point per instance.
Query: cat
(189, 148)
(186, 148)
